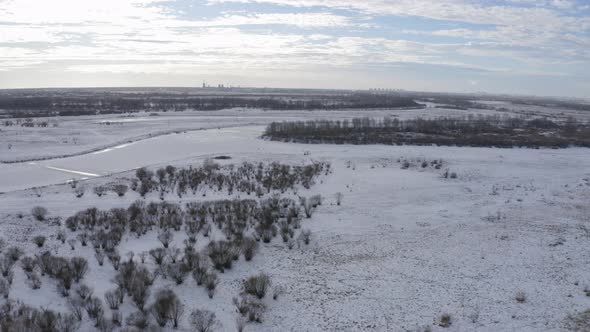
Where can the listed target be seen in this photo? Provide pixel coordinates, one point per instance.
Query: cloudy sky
(537, 47)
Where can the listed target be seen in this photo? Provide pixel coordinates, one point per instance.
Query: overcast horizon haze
(518, 47)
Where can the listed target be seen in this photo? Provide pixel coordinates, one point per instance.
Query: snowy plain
(405, 246)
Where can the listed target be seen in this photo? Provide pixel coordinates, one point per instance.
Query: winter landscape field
(315, 236)
(295, 165)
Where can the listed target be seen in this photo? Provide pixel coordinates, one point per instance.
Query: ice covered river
(153, 151)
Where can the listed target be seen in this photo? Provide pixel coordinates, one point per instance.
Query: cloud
(158, 37)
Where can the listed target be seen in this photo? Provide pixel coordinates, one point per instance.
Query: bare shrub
(61, 236)
(249, 247)
(579, 322)
(99, 257)
(112, 299)
(83, 238)
(173, 254)
(176, 312)
(45, 320)
(305, 236)
(520, 297)
(28, 263)
(68, 323)
(72, 243)
(39, 240)
(79, 191)
(161, 308)
(34, 280)
(240, 323)
(206, 229)
(120, 189)
(158, 255)
(4, 288)
(177, 271)
(99, 190)
(63, 287)
(307, 207)
(79, 266)
(211, 283)
(257, 285)
(76, 308)
(199, 264)
(249, 306)
(94, 309)
(315, 200)
(116, 317)
(203, 320)
(445, 320)
(84, 292)
(139, 320)
(120, 293)
(221, 254)
(139, 292)
(115, 259)
(14, 253)
(166, 237)
(39, 213)
(6, 264)
(277, 291)
(339, 197)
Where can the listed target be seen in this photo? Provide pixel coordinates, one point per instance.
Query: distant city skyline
(522, 47)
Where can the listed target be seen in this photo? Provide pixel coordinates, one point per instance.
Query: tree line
(248, 178)
(42, 106)
(472, 130)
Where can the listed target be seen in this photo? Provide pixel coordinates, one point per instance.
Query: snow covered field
(405, 246)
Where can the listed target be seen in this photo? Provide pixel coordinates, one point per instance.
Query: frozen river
(157, 150)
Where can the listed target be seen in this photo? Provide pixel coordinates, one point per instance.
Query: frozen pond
(158, 150)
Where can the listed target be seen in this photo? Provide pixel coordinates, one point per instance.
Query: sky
(532, 47)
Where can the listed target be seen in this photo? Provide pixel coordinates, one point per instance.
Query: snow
(405, 246)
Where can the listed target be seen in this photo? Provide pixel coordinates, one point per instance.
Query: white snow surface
(405, 246)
